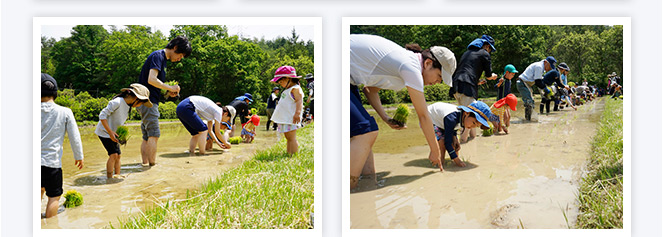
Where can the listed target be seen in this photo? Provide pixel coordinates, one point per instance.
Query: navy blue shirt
(156, 60)
(551, 77)
(466, 77)
(271, 103)
(450, 122)
(503, 89)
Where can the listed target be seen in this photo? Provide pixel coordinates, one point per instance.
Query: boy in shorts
(55, 122)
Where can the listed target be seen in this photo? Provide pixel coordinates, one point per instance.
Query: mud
(106, 200)
(526, 179)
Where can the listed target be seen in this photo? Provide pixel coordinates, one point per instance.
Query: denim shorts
(149, 121)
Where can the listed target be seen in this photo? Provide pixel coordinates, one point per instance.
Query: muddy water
(527, 179)
(105, 200)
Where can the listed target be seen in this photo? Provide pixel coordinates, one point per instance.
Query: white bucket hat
(141, 92)
(447, 60)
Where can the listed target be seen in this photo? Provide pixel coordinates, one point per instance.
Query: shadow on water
(449, 166)
(130, 168)
(384, 180)
(95, 180)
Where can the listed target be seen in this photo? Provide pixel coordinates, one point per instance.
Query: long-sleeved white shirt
(55, 121)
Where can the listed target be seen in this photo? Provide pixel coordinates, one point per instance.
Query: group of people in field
(208, 122)
(378, 64)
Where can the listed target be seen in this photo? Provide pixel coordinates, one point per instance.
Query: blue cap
(481, 111)
(552, 61)
(249, 96)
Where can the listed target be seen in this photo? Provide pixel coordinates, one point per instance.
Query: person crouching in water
(288, 112)
(449, 118)
(114, 116)
(249, 128)
(501, 115)
(192, 109)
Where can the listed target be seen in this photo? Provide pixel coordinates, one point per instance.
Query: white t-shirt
(116, 113)
(287, 107)
(440, 110)
(379, 62)
(533, 71)
(206, 108)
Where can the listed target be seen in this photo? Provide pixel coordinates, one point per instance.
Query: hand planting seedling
(400, 117)
(488, 132)
(122, 134)
(235, 140)
(73, 199)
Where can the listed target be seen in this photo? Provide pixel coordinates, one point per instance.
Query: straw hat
(141, 92)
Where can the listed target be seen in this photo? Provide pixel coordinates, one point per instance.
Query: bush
(261, 107)
(403, 96)
(65, 98)
(167, 110)
(437, 92)
(387, 96)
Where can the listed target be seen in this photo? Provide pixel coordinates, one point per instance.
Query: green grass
(272, 190)
(601, 191)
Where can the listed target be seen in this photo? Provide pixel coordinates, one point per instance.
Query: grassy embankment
(271, 190)
(601, 191)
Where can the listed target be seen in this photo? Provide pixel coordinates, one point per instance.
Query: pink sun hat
(285, 71)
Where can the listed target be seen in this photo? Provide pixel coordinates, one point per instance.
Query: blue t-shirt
(156, 60)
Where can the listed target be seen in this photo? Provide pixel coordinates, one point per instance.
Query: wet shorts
(360, 121)
(51, 181)
(186, 112)
(111, 146)
(149, 121)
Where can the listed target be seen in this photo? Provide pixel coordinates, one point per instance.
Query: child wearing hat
(114, 116)
(449, 118)
(191, 112)
(288, 112)
(501, 115)
(55, 122)
(249, 128)
(504, 83)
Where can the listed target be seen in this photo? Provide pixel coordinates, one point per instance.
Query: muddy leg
(52, 206)
(361, 146)
(110, 165)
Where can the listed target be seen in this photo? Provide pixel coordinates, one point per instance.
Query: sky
(305, 32)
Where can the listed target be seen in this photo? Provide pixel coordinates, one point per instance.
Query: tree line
(220, 67)
(591, 51)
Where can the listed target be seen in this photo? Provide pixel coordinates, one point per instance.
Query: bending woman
(190, 111)
(378, 63)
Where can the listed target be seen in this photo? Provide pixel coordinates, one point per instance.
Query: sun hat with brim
(285, 71)
(447, 59)
(564, 66)
(249, 96)
(141, 92)
(510, 100)
(255, 119)
(510, 68)
(490, 41)
(232, 112)
(481, 112)
(227, 125)
(308, 77)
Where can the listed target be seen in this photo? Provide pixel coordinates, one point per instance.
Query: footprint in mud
(499, 218)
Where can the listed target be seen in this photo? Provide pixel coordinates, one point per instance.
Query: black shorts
(111, 146)
(51, 181)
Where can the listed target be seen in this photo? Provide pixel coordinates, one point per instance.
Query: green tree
(77, 58)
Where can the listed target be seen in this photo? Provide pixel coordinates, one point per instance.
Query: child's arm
(297, 95)
(219, 136)
(107, 112)
(74, 139)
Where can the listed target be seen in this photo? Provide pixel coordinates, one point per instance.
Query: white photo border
(38, 22)
(348, 21)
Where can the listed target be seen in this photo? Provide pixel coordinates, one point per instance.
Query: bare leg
(110, 165)
(360, 148)
(118, 164)
(148, 151)
(443, 149)
(369, 166)
(52, 206)
(293, 145)
(192, 144)
(42, 193)
(201, 142)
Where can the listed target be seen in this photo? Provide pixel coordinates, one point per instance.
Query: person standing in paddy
(504, 84)
(113, 116)
(288, 113)
(241, 104)
(192, 109)
(152, 75)
(378, 63)
(533, 75)
(466, 78)
(55, 122)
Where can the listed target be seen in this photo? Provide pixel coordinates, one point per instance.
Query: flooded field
(526, 179)
(106, 200)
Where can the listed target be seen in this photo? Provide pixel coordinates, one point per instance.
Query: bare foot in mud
(506, 130)
(459, 162)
